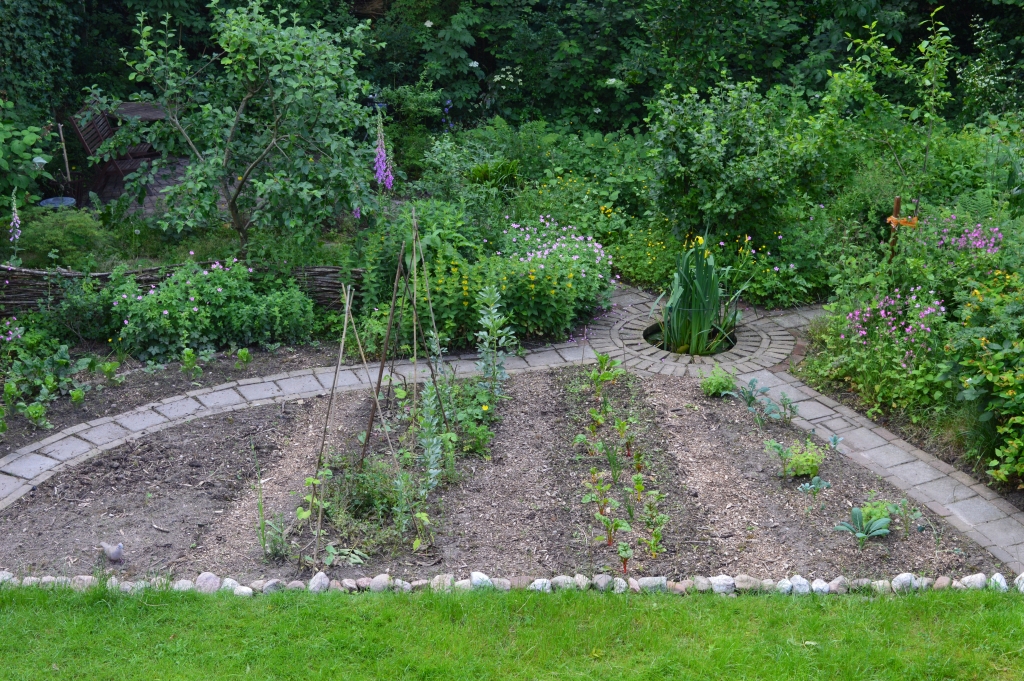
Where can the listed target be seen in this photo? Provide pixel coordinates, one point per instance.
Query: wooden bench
(93, 128)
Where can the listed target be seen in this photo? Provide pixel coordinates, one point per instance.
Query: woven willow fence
(22, 288)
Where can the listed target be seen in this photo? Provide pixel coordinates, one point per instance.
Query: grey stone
(634, 585)
(442, 582)
(904, 583)
(520, 581)
(349, 585)
(34, 581)
(319, 584)
(113, 583)
(686, 586)
(1019, 582)
(540, 585)
(619, 585)
(62, 583)
(401, 586)
(925, 583)
(996, 582)
(127, 587)
(479, 580)
(839, 585)
(675, 588)
(801, 587)
(768, 585)
(784, 586)
(243, 591)
(273, 585)
(258, 585)
(183, 585)
(207, 583)
(463, 585)
(562, 582)
(363, 583)
(820, 587)
(160, 583)
(603, 581)
(499, 584)
(861, 583)
(140, 585)
(47, 582)
(975, 581)
(83, 582)
(229, 584)
(582, 583)
(335, 585)
(702, 584)
(746, 583)
(380, 583)
(296, 585)
(653, 583)
(423, 584)
(882, 586)
(723, 584)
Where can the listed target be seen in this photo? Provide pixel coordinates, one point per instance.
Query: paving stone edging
(723, 585)
(764, 343)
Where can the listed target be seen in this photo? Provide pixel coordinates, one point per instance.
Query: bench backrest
(93, 133)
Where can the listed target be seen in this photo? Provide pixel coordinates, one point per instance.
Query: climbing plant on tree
(269, 121)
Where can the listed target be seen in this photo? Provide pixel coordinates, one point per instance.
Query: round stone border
(724, 585)
(760, 342)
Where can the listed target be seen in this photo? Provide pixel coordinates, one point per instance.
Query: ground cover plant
(516, 635)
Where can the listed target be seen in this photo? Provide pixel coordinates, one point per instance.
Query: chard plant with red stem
(611, 526)
(606, 372)
(622, 427)
(598, 493)
(625, 553)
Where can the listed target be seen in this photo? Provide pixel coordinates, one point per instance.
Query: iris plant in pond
(701, 312)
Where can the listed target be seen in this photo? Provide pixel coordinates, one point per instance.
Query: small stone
(421, 584)
(820, 587)
(942, 583)
(784, 586)
(904, 582)
(62, 583)
(1019, 582)
(363, 583)
(996, 582)
(350, 585)
(140, 585)
(702, 584)
(207, 583)
(381, 582)
(272, 585)
(229, 584)
(183, 585)
(686, 586)
(673, 587)
(335, 585)
(501, 584)
(540, 585)
(34, 581)
(401, 586)
(801, 587)
(746, 583)
(442, 582)
(319, 584)
(839, 585)
(768, 585)
(634, 585)
(653, 583)
(602, 582)
(521, 582)
(243, 591)
(47, 582)
(127, 587)
(958, 586)
(861, 583)
(258, 585)
(925, 583)
(5, 576)
(723, 584)
(112, 583)
(83, 582)
(463, 585)
(582, 583)
(160, 583)
(479, 580)
(562, 582)
(976, 581)
(296, 585)
(882, 586)
(619, 585)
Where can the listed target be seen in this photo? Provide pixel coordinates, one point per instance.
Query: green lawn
(521, 635)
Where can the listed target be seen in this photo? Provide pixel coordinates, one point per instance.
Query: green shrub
(646, 256)
(206, 309)
(77, 238)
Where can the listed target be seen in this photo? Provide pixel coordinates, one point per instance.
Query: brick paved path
(765, 343)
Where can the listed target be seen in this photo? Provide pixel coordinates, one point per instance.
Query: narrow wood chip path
(765, 345)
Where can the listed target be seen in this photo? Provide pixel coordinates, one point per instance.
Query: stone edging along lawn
(724, 585)
(763, 345)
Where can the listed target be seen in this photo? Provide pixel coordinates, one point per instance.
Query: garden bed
(183, 499)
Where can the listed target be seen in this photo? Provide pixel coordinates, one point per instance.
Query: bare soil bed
(183, 500)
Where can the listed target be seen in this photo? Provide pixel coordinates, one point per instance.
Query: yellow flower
(484, 407)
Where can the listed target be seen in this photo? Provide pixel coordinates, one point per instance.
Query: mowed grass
(518, 635)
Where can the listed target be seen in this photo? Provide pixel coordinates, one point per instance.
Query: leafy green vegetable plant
(611, 526)
(718, 383)
(907, 514)
(190, 364)
(625, 554)
(626, 434)
(607, 371)
(244, 358)
(863, 529)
